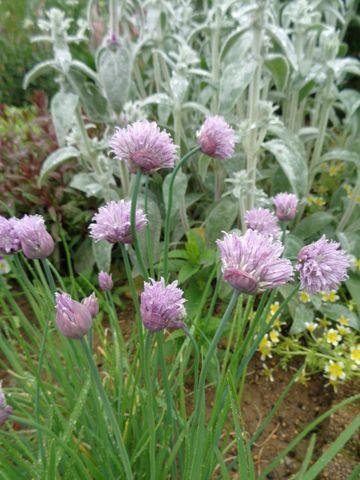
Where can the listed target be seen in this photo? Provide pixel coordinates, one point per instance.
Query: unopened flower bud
(105, 281)
(73, 318)
(91, 304)
(35, 241)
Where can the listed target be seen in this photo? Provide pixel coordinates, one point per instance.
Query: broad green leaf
(335, 311)
(302, 315)
(56, 159)
(114, 69)
(102, 255)
(39, 69)
(291, 161)
(339, 154)
(87, 183)
(187, 271)
(63, 106)
(292, 245)
(312, 224)
(279, 68)
(221, 218)
(234, 80)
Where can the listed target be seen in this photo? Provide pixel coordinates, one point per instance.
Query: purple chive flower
(91, 304)
(73, 318)
(5, 410)
(322, 266)
(252, 264)
(162, 306)
(9, 240)
(105, 281)
(143, 145)
(35, 241)
(286, 204)
(216, 138)
(263, 221)
(112, 222)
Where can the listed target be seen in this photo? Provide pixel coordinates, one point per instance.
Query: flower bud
(73, 318)
(105, 281)
(35, 241)
(286, 204)
(9, 240)
(91, 304)
(5, 410)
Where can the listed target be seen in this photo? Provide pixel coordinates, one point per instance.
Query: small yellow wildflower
(265, 347)
(323, 322)
(313, 200)
(335, 370)
(310, 326)
(304, 297)
(351, 305)
(268, 372)
(274, 336)
(348, 189)
(355, 354)
(274, 307)
(343, 330)
(329, 297)
(301, 378)
(335, 169)
(333, 337)
(278, 323)
(344, 321)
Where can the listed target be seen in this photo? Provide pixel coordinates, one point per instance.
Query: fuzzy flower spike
(143, 145)
(216, 138)
(286, 204)
(252, 264)
(162, 306)
(9, 240)
(36, 242)
(263, 221)
(112, 222)
(72, 318)
(322, 266)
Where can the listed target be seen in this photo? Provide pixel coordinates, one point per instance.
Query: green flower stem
(135, 242)
(150, 407)
(149, 249)
(49, 276)
(184, 159)
(109, 412)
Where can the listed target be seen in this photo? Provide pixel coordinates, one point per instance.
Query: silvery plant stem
(113, 18)
(351, 205)
(253, 102)
(215, 61)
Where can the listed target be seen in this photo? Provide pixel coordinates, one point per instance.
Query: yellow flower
(344, 321)
(357, 264)
(274, 307)
(330, 297)
(312, 200)
(304, 297)
(274, 336)
(335, 169)
(335, 370)
(333, 337)
(278, 323)
(343, 330)
(268, 372)
(351, 305)
(355, 354)
(323, 322)
(310, 326)
(348, 189)
(301, 378)
(265, 347)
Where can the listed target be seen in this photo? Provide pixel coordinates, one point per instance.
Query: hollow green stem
(184, 159)
(135, 242)
(149, 249)
(109, 412)
(150, 408)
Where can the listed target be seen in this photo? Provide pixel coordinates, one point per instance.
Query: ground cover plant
(216, 145)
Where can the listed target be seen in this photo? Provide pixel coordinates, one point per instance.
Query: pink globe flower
(105, 281)
(252, 264)
(216, 138)
(91, 304)
(112, 222)
(72, 318)
(286, 204)
(322, 266)
(143, 145)
(162, 306)
(35, 241)
(9, 240)
(263, 221)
